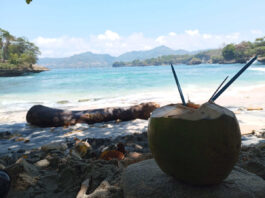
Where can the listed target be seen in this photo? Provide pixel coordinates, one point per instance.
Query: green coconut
(197, 146)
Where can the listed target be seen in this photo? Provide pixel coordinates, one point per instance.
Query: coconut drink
(196, 144)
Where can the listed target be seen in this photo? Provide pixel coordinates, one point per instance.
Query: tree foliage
(231, 53)
(17, 51)
(28, 1)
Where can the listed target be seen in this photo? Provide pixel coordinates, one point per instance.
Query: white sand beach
(240, 101)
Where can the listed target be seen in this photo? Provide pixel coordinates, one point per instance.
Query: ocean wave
(258, 69)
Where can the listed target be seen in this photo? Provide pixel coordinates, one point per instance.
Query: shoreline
(22, 72)
(23, 136)
(238, 99)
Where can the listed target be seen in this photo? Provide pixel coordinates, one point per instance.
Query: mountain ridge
(90, 59)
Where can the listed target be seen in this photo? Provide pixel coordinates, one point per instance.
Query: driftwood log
(42, 116)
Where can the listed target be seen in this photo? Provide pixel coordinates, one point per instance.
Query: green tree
(260, 51)
(259, 42)
(17, 51)
(6, 38)
(229, 52)
(14, 59)
(244, 51)
(1, 48)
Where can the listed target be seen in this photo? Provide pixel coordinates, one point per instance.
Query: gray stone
(54, 146)
(145, 179)
(42, 163)
(2, 167)
(23, 175)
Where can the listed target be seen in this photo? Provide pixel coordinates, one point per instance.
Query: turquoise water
(98, 84)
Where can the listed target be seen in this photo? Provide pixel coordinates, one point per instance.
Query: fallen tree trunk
(48, 117)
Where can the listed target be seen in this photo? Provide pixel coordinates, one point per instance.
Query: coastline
(242, 102)
(237, 99)
(23, 71)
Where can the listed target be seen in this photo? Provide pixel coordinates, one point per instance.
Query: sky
(62, 28)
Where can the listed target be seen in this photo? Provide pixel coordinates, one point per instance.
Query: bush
(229, 52)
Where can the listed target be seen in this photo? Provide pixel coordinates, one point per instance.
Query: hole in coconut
(193, 105)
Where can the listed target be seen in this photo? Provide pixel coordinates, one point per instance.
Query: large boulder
(145, 179)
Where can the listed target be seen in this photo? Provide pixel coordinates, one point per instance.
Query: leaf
(82, 148)
(112, 154)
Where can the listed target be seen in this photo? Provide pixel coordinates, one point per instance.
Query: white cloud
(112, 43)
(233, 36)
(207, 36)
(109, 35)
(160, 39)
(256, 32)
(192, 32)
(172, 34)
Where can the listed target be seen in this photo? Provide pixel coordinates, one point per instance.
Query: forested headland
(17, 55)
(231, 53)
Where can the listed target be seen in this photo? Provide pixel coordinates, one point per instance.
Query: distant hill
(207, 56)
(89, 59)
(86, 59)
(153, 53)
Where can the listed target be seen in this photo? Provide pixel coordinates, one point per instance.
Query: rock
(5, 135)
(26, 141)
(134, 157)
(75, 154)
(42, 163)
(63, 102)
(241, 109)
(54, 146)
(252, 159)
(2, 167)
(21, 151)
(23, 71)
(21, 139)
(145, 179)
(34, 156)
(83, 100)
(23, 174)
(7, 160)
(2, 162)
(105, 190)
(83, 148)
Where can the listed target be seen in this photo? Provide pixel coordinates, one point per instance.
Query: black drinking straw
(178, 85)
(233, 79)
(218, 88)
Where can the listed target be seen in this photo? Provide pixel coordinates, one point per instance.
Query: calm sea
(97, 87)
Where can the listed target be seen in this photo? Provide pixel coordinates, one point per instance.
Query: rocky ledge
(146, 180)
(261, 60)
(21, 72)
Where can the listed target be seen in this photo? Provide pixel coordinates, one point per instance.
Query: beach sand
(237, 100)
(241, 102)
